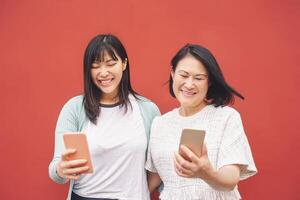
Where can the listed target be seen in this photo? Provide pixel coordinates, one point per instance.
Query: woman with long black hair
(116, 121)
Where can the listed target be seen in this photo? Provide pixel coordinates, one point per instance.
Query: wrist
(213, 179)
(212, 176)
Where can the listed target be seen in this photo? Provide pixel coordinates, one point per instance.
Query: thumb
(67, 152)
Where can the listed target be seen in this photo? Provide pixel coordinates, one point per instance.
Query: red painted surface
(42, 44)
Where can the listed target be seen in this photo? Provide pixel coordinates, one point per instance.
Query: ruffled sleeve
(235, 148)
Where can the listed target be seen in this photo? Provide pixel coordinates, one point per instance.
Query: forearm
(224, 179)
(153, 181)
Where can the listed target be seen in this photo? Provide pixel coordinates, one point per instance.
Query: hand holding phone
(192, 139)
(70, 169)
(78, 141)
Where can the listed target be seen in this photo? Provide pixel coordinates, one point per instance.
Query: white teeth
(105, 82)
(187, 93)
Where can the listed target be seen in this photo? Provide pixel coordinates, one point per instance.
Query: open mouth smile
(105, 82)
(188, 93)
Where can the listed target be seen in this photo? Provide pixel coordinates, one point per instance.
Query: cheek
(120, 74)
(93, 76)
(176, 84)
(117, 70)
(203, 89)
(93, 73)
(175, 87)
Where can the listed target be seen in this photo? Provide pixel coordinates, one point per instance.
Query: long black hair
(97, 47)
(219, 92)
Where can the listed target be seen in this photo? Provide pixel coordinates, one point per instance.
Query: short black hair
(219, 92)
(97, 47)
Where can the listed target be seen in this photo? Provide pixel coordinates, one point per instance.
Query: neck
(191, 110)
(109, 98)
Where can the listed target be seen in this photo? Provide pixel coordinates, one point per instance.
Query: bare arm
(225, 178)
(153, 181)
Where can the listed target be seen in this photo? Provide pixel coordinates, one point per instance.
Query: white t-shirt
(118, 149)
(226, 144)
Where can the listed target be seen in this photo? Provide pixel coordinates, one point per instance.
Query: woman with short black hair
(197, 82)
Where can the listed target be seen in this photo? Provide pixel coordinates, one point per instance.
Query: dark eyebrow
(201, 75)
(183, 71)
(188, 73)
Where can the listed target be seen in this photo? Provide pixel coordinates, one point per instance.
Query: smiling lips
(188, 93)
(105, 82)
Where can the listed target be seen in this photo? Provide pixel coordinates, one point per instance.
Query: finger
(181, 169)
(181, 161)
(77, 170)
(66, 153)
(180, 173)
(191, 155)
(73, 163)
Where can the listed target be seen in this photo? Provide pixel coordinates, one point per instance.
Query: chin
(186, 103)
(186, 99)
(107, 90)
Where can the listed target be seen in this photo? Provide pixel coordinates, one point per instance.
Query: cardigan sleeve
(149, 165)
(68, 121)
(149, 111)
(234, 148)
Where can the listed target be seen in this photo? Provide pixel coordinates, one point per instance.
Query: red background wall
(41, 49)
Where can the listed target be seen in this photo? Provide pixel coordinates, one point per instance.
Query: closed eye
(95, 65)
(111, 64)
(183, 75)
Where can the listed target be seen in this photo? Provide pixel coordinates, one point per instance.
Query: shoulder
(226, 114)
(145, 101)
(169, 116)
(225, 111)
(75, 101)
(74, 105)
(147, 105)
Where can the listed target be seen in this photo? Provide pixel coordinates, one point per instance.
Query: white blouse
(226, 144)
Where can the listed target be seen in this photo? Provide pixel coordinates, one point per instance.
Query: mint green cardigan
(72, 118)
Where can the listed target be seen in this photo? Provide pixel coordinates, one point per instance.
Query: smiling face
(190, 83)
(106, 75)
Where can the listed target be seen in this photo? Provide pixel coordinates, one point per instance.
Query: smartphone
(192, 139)
(78, 141)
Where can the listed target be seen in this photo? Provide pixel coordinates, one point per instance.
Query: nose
(103, 73)
(189, 83)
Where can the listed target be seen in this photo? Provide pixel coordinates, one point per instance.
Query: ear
(172, 73)
(207, 101)
(124, 64)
